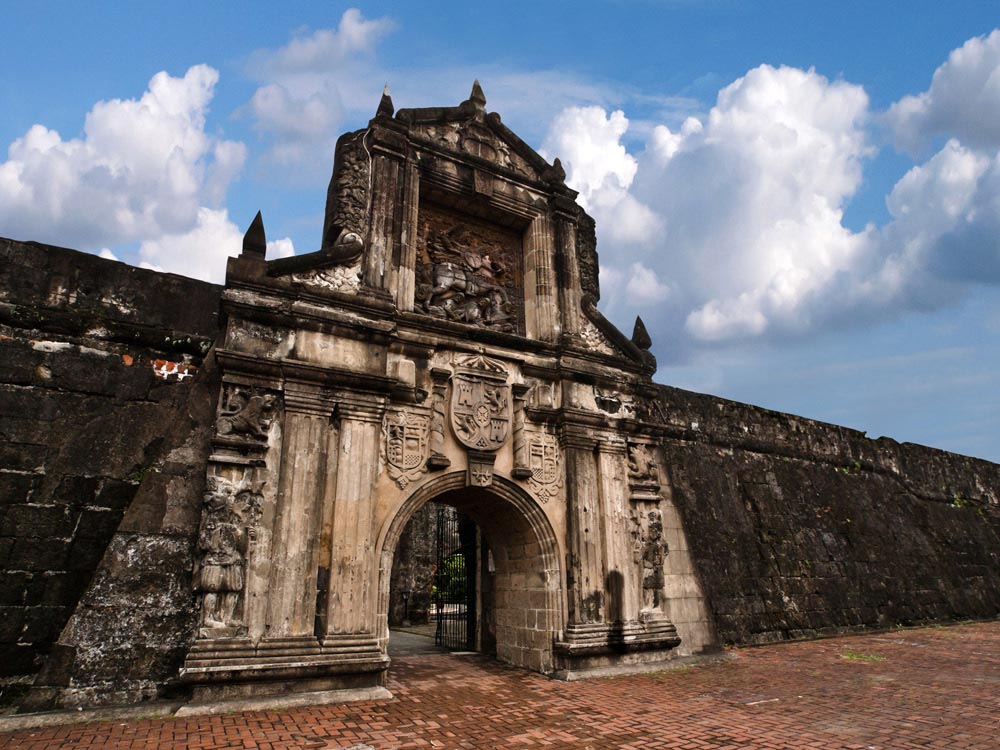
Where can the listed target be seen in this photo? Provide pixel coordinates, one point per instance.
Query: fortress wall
(99, 383)
(800, 528)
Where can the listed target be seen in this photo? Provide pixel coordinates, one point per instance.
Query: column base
(596, 647)
(230, 668)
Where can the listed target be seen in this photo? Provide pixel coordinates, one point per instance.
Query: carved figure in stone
(641, 464)
(247, 414)
(405, 447)
(467, 270)
(650, 551)
(228, 523)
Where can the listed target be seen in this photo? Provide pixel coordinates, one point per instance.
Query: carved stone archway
(529, 593)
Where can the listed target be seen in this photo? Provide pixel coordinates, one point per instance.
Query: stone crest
(544, 462)
(480, 403)
(405, 446)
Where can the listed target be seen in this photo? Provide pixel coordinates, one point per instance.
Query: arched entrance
(527, 589)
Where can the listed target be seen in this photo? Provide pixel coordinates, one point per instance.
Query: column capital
(302, 398)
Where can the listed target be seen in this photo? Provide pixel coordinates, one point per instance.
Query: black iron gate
(455, 580)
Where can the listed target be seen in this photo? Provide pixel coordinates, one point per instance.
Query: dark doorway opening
(441, 587)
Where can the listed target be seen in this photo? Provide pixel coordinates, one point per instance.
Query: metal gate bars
(455, 580)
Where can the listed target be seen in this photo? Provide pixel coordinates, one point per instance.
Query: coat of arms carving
(405, 446)
(544, 462)
(480, 403)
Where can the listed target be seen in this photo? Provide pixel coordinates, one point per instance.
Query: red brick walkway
(927, 688)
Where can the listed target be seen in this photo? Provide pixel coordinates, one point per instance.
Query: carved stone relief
(592, 338)
(480, 402)
(649, 550)
(229, 519)
(478, 140)
(344, 279)
(404, 448)
(614, 402)
(468, 270)
(545, 464)
(246, 413)
(347, 198)
(643, 472)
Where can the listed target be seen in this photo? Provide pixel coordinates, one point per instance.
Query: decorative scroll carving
(613, 402)
(480, 403)
(405, 446)
(228, 526)
(586, 256)
(348, 195)
(545, 463)
(592, 338)
(246, 413)
(344, 279)
(469, 271)
(649, 551)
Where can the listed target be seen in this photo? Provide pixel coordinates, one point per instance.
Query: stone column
(380, 256)
(585, 564)
(291, 595)
(624, 596)
(352, 594)
(541, 318)
(569, 285)
(408, 240)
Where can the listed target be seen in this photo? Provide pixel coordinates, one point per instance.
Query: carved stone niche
(242, 428)
(643, 473)
(230, 513)
(469, 269)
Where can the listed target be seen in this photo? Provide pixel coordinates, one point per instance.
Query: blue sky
(802, 200)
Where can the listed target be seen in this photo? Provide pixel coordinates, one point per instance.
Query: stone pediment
(467, 130)
(447, 218)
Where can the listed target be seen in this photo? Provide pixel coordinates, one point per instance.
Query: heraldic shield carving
(543, 461)
(405, 447)
(480, 402)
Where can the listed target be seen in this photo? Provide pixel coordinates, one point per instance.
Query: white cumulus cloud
(736, 217)
(143, 169)
(309, 85)
(963, 100)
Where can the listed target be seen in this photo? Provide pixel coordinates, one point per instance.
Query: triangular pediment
(469, 131)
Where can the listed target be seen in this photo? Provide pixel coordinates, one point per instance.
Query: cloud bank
(144, 171)
(730, 227)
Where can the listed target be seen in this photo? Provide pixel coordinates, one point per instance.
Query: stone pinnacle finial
(385, 107)
(255, 241)
(640, 336)
(477, 96)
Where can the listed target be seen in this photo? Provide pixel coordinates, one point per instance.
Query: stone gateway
(443, 345)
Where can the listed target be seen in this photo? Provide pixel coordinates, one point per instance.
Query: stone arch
(529, 590)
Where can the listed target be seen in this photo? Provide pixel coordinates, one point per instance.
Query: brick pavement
(923, 688)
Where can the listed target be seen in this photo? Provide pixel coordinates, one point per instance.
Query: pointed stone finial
(385, 107)
(640, 336)
(477, 96)
(255, 241)
(555, 173)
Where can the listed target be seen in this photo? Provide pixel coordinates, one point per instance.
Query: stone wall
(799, 528)
(100, 391)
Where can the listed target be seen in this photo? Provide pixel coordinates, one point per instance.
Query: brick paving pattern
(923, 688)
